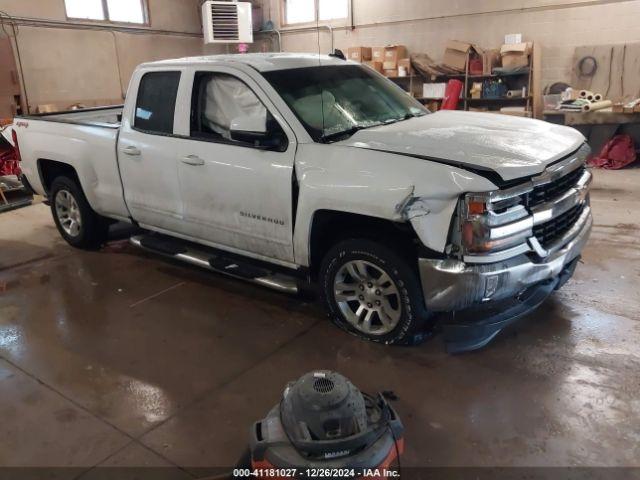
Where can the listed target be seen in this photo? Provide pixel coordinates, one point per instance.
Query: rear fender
(89, 150)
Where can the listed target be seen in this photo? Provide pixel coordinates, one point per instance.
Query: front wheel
(372, 292)
(78, 224)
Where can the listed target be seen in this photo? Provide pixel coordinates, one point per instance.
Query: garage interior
(121, 358)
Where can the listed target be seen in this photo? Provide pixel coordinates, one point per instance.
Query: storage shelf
(434, 99)
(469, 99)
(502, 99)
(479, 76)
(11, 189)
(23, 202)
(408, 77)
(528, 78)
(448, 75)
(518, 79)
(500, 75)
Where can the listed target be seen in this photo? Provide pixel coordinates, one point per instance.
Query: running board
(218, 263)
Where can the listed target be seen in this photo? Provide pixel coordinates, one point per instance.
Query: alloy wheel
(367, 297)
(68, 213)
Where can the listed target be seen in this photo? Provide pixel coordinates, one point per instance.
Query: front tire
(78, 224)
(372, 292)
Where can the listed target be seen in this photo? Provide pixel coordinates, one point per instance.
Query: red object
(16, 145)
(476, 66)
(452, 95)
(617, 153)
(9, 158)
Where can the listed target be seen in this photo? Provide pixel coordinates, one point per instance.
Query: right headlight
(492, 222)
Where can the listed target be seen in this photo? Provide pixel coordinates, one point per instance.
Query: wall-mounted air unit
(227, 22)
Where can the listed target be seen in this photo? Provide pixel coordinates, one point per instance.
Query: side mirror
(260, 132)
(250, 129)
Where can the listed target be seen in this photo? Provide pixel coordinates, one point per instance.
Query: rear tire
(370, 291)
(78, 224)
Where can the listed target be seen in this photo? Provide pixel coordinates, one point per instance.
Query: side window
(156, 102)
(217, 100)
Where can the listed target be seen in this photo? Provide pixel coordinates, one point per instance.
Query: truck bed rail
(106, 117)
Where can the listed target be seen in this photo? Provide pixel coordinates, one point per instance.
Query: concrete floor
(121, 358)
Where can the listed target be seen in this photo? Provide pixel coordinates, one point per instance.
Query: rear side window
(156, 103)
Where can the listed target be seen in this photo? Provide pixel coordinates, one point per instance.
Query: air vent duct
(227, 22)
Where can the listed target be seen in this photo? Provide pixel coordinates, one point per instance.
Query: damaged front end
(481, 299)
(507, 251)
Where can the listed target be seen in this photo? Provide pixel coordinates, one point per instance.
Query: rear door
(235, 195)
(146, 151)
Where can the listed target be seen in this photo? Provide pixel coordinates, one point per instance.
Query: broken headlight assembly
(492, 221)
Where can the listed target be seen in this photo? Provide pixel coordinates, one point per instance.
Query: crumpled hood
(512, 147)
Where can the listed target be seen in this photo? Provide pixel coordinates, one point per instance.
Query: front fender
(382, 185)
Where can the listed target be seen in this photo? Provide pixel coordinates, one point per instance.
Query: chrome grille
(547, 192)
(550, 231)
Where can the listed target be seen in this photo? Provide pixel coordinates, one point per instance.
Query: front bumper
(452, 285)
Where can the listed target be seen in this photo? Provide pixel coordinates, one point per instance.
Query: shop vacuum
(325, 424)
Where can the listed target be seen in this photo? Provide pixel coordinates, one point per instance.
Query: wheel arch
(49, 170)
(328, 227)
(92, 229)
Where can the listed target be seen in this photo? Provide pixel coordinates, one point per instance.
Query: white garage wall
(68, 65)
(79, 64)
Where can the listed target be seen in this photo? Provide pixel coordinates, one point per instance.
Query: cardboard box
(512, 38)
(434, 90)
(617, 108)
(490, 60)
(455, 54)
(47, 108)
(406, 63)
(377, 66)
(392, 55)
(359, 54)
(390, 72)
(516, 55)
(377, 54)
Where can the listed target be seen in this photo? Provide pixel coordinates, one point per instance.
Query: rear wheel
(372, 292)
(78, 224)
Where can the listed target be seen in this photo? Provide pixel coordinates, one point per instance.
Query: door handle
(131, 151)
(192, 160)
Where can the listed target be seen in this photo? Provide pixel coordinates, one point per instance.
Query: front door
(236, 194)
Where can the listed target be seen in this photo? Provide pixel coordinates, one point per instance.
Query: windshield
(350, 96)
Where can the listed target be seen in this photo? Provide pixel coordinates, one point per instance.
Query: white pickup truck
(290, 170)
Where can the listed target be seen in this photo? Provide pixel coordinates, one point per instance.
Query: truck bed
(109, 117)
(85, 140)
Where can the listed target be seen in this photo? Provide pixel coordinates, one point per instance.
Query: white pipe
(277, 32)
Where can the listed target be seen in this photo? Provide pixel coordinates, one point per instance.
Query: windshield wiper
(344, 134)
(401, 119)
